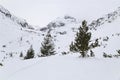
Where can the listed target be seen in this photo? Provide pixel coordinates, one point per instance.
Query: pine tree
(21, 54)
(30, 53)
(82, 40)
(47, 47)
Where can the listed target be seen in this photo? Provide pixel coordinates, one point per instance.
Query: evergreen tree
(47, 47)
(82, 40)
(30, 53)
(21, 54)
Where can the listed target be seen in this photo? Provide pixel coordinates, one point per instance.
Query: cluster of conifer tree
(81, 44)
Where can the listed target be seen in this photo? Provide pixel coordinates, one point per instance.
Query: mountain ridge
(62, 29)
(19, 21)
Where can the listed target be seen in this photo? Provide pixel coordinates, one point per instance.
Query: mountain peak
(21, 22)
(60, 22)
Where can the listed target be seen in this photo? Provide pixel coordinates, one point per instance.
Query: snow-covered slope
(16, 36)
(68, 67)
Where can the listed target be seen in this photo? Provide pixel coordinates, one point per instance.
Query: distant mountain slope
(19, 21)
(16, 35)
(108, 18)
(106, 29)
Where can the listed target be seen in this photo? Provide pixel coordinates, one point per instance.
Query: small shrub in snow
(73, 48)
(107, 56)
(106, 38)
(104, 55)
(21, 39)
(118, 52)
(110, 55)
(11, 54)
(4, 57)
(92, 53)
(62, 33)
(1, 64)
(95, 44)
(2, 60)
(21, 54)
(30, 53)
(116, 56)
(4, 46)
(65, 53)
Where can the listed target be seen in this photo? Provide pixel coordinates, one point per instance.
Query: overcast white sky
(41, 12)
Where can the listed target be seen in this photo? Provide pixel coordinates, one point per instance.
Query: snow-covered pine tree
(30, 53)
(82, 39)
(47, 48)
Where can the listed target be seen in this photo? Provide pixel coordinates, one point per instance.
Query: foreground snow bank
(68, 67)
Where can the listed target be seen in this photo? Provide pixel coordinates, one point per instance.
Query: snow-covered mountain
(17, 35)
(21, 22)
(64, 31)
